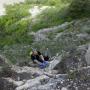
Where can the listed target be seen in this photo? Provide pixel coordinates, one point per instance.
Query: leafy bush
(36, 1)
(17, 11)
(48, 2)
(80, 8)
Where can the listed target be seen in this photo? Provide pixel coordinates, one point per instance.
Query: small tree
(79, 8)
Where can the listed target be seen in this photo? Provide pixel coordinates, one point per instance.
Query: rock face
(69, 70)
(54, 62)
(33, 78)
(73, 60)
(41, 34)
(88, 56)
(19, 78)
(3, 61)
(5, 69)
(33, 82)
(6, 85)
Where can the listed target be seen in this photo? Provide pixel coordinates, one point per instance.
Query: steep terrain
(68, 70)
(62, 26)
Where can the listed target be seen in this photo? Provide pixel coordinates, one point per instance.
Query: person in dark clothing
(38, 58)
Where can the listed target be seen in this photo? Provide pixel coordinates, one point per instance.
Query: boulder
(41, 34)
(5, 67)
(73, 60)
(33, 82)
(25, 72)
(87, 56)
(6, 85)
(3, 61)
(54, 63)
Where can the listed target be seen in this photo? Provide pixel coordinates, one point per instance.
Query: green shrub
(36, 1)
(80, 8)
(17, 11)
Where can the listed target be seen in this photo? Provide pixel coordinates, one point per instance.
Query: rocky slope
(33, 78)
(69, 67)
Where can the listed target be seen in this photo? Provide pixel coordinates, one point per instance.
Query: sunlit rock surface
(88, 56)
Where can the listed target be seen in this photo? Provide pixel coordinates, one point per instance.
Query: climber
(39, 59)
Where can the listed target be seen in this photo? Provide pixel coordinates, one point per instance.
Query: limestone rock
(87, 56)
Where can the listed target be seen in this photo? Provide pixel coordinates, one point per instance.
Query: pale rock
(64, 88)
(32, 82)
(87, 56)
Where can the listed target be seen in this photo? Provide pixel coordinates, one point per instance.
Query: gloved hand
(46, 63)
(42, 65)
